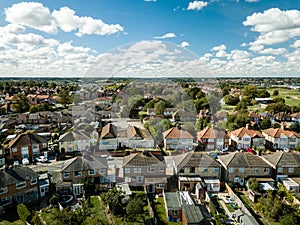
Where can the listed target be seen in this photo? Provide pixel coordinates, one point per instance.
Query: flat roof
(195, 179)
(288, 181)
(212, 181)
(172, 200)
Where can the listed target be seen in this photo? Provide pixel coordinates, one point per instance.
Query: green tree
(231, 100)
(266, 123)
(159, 107)
(275, 93)
(253, 184)
(23, 212)
(64, 97)
(20, 103)
(250, 91)
(289, 219)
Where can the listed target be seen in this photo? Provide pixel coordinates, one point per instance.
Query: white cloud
(36, 16)
(296, 44)
(219, 47)
(167, 35)
(272, 51)
(184, 44)
(31, 14)
(221, 53)
(274, 25)
(256, 47)
(196, 5)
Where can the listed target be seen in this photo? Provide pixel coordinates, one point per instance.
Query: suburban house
(282, 117)
(182, 115)
(295, 117)
(221, 116)
(74, 141)
(176, 138)
(244, 138)
(212, 138)
(108, 137)
(279, 138)
(144, 169)
(195, 167)
(74, 172)
(239, 166)
(180, 206)
(284, 163)
(253, 117)
(27, 145)
(18, 185)
(168, 112)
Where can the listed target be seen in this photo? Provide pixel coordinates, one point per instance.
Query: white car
(41, 159)
(25, 161)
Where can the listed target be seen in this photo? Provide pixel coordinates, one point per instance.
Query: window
(266, 170)
(291, 170)
(192, 169)
(66, 175)
(205, 170)
(292, 139)
(175, 212)
(102, 171)
(137, 170)
(231, 170)
(14, 150)
(139, 179)
(242, 170)
(33, 181)
(181, 170)
(21, 184)
(127, 169)
(92, 172)
(236, 179)
(70, 142)
(77, 174)
(280, 170)
(246, 139)
(160, 186)
(5, 201)
(151, 169)
(44, 145)
(216, 169)
(3, 190)
(161, 169)
(255, 170)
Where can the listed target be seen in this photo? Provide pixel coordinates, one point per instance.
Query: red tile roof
(241, 132)
(174, 132)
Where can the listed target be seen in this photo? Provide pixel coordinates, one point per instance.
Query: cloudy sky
(226, 37)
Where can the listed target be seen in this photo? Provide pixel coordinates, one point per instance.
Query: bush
(53, 200)
(23, 212)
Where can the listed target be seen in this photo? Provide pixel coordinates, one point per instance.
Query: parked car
(41, 159)
(25, 161)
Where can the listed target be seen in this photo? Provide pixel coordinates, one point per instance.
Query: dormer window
(33, 181)
(3, 190)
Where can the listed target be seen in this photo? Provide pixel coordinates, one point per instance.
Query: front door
(150, 188)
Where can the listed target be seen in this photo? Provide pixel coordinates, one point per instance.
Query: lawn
(231, 207)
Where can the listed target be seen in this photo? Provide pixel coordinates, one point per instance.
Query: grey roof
(192, 214)
(245, 159)
(172, 200)
(144, 159)
(73, 135)
(194, 159)
(283, 159)
(16, 175)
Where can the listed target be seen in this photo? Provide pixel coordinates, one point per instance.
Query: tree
(266, 123)
(64, 97)
(250, 91)
(159, 107)
(275, 93)
(135, 207)
(20, 103)
(263, 93)
(289, 219)
(23, 212)
(295, 127)
(231, 100)
(253, 184)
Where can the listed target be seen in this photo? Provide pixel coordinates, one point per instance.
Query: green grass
(230, 208)
(17, 222)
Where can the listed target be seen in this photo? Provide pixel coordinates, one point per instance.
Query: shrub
(23, 212)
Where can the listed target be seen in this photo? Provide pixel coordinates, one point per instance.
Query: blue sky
(229, 37)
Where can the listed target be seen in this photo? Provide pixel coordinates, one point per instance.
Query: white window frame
(33, 181)
(20, 185)
(137, 170)
(280, 170)
(291, 169)
(242, 170)
(231, 170)
(66, 174)
(266, 170)
(92, 172)
(139, 179)
(3, 190)
(127, 170)
(255, 170)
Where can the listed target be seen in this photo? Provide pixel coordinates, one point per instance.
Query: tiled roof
(241, 132)
(244, 159)
(221, 114)
(283, 159)
(279, 132)
(296, 115)
(253, 115)
(108, 131)
(211, 132)
(143, 159)
(194, 159)
(174, 132)
(184, 113)
(16, 175)
(134, 132)
(73, 135)
(26, 139)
